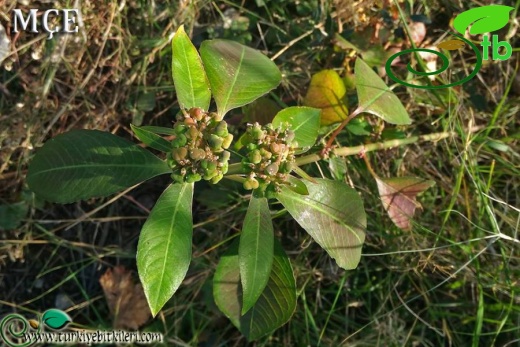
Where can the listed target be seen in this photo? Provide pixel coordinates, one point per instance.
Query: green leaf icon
(55, 319)
(485, 19)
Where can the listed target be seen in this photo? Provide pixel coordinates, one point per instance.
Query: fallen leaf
(417, 32)
(326, 92)
(451, 45)
(126, 300)
(398, 195)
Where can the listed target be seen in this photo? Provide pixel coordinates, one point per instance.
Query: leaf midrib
(170, 236)
(295, 198)
(232, 86)
(188, 66)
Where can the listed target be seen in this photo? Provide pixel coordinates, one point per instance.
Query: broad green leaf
(164, 248)
(296, 185)
(237, 74)
(55, 319)
(484, 19)
(11, 215)
(304, 121)
(326, 92)
(398, 195)
(274, 307)
(255, 252)
(151, 139)
(189, 78)
(375, 96)
(82, 164)
(333, 215)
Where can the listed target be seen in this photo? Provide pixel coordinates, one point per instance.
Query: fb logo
(482, 20)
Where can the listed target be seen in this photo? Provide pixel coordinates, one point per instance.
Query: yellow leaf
(451, 45)
(326, 92)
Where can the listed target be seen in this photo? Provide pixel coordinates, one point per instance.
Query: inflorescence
(199, 148)
(270, 157)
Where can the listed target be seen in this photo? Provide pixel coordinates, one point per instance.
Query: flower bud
(215, 142)
(217, 178)
(196, 113)
(227, 141)
(179, 154)
(197, 154)
(221, 129)
(255, 157)
(251, 184)
(215, 116)
(179, 128)
(257, 133)
(193, 133)
(271, 169)
(210, 174)
(179, 141)
(275, 148)
(266, 154)
(193, 177)
(224, 168)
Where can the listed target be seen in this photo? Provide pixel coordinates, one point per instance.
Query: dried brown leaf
(126, 299)
(398, 195)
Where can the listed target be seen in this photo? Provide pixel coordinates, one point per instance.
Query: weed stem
(370, 147)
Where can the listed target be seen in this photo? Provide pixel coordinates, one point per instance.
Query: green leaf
(304, 121)
(485, 18)
(398, 195)
(296, 185)
(151, 139)
(164, 248)
(376, 98)
(333, 215)
(189, 78)
(255, 252)
(237, 74)
(11, 215)
(55, 319)
(82, 164)
(158, 130)
(326, 92)
(274, 307)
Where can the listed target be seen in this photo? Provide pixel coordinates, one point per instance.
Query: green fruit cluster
(269, 157)
(199, 147)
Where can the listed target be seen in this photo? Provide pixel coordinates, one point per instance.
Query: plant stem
(347, 151)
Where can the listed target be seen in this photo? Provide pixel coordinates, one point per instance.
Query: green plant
(82, 164)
